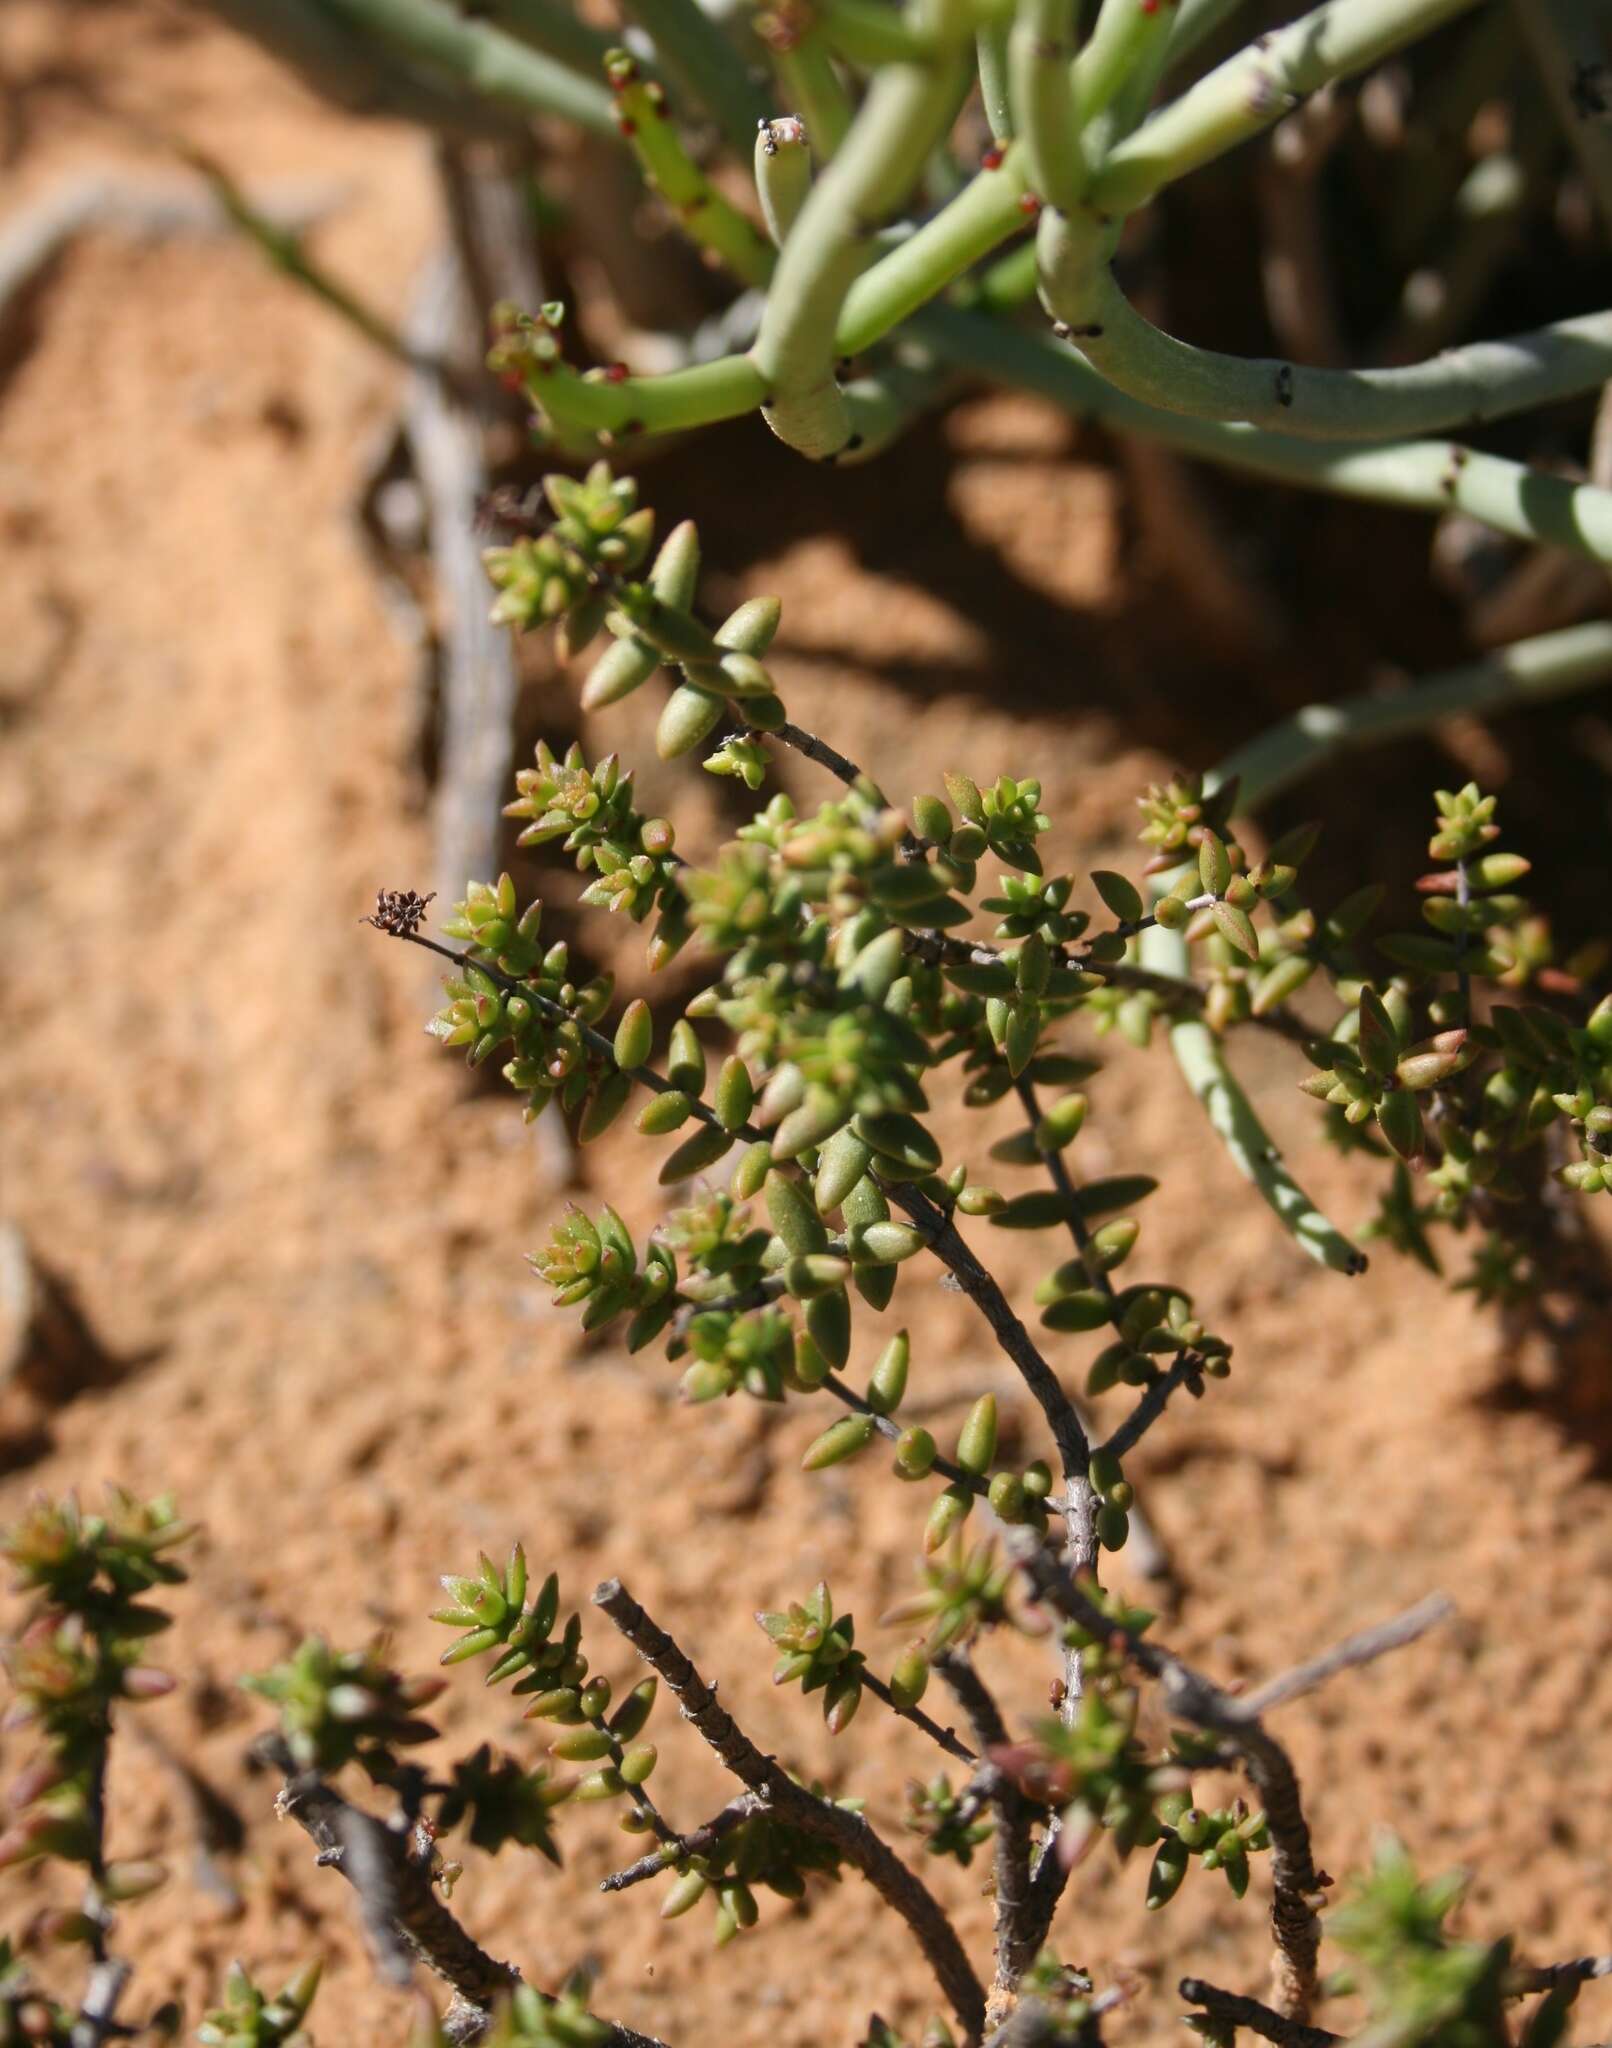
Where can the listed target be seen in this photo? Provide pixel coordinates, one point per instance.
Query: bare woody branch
(1522, 1978)
(1014, 1950)
(1191, 1697)
(1259, 2019)
(944, 1738)
(682, 1847)
(405, 1920)
(848, 1833)
(1363, 1648)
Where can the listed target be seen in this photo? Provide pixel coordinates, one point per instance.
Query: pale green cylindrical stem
(703, 213)
(349, 69)
(483, 57)
(871, 33)
(883, 407)
(810, 87)
(555, 27)
(623, 406)
(1129, 40)
(1526, 673)
(991, 55)
(1010, 282)
(987, 210)
(900, 121)
(1201, 1057)
(1041, 48)
(1256, 88)
(783, 173)
(1195, 22)
(1463, 387)
(699, 58)
(1430, 476)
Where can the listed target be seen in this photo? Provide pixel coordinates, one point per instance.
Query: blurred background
(264, 1245)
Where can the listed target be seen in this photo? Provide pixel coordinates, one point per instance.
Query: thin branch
(683, 1847)
(848, 1833)
(889, 1426)
(1363, 1648)
(97, 2015)
(1528, 672)
(404, 1918)
(1187, 1372)
(1191, 1697)
(1068, 1432)
(1257, 2018)
(1058, 1173)
(946, 1738)
(1014, 1952)
(1522, 1978)
(838, 765)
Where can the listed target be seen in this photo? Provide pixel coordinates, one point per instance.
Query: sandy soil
(301, 1235)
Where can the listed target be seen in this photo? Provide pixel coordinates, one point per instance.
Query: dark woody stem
(847, 1833)
(1017, 1939)
(682, 1848)
(945, 1737)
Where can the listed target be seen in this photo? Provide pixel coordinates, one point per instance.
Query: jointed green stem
(1431, 476)
(1195, 22)
(987, 210)
(1553, 664)
(1464, 387)
(991, 55)
(705, 392)
(485, 58)
(554, 27)
(899, 123)
(1124, 56)
(1253, 90)
(699, 58)
(1528, 672)
(706, 216)
(1201, 1057)
(1041, 47)
(809, 86)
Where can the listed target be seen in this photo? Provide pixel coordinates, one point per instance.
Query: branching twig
(404, 1919)
(1522, 1978)
(945, 1738)
(1014, 1952)
(945, 1241)
(1259, 2019)
(403, 1916)
(1187, 1371)
(1191, 1697)
(682, 1847)
(1356, 1649)
(848, 1833)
